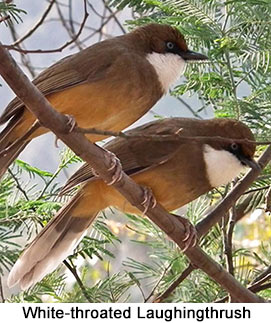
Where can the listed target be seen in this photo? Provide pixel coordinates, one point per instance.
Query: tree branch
(59, 49)
(176, 136)
(37, 25)
(78, 279)
(175, 284)
(100, 160)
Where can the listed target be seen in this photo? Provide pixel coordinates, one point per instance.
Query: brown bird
(108, 85)
(176, 171)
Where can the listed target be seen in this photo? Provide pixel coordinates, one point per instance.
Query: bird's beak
(250, 162)
(189, 55)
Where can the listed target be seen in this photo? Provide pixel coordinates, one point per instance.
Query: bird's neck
(168, 68)
(221, 165)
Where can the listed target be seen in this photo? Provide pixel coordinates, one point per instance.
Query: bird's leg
(115, 167)
(20, 140)
(191, 237)
(149, 200)
(71, 124)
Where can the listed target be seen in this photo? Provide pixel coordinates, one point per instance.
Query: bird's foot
(149, 200)
(115, 168)
(191, 237)
(96, 174)
(71, 123)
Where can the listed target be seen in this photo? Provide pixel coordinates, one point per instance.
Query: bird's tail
(19, 131)
(58, 239)
(10, 146)
(7, 159)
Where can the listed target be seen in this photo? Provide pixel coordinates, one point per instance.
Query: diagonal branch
(220, 210)
(100, 159)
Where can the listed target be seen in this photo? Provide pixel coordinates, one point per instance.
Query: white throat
(221, 166)
(169, 67)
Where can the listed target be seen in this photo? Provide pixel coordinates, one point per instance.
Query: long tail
(7, 159)
(14, 137)
(7, 138)
(58, 239)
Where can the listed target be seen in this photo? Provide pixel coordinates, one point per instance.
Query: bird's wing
(70, 71)
(136, 154)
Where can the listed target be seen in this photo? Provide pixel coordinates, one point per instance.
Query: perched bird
(176, 171)
(108, 85)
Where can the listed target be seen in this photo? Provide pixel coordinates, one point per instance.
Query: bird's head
(226, 159)
(165, 39)
(166, 49)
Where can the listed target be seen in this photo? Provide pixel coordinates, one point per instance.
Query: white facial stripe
(169, 67)
(221, 166)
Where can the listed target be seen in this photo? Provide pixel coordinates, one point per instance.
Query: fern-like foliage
(10, 10)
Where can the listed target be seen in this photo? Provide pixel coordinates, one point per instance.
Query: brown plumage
(108, 85)
(176, 172)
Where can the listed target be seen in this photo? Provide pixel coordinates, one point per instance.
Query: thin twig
(59, 49)
(177, 282)
(253, 190)
(115, 16)
(24, 58)
(36, 26)
(229, 236)
(18, 185)
(262, 276)
(177, 137)
(195, 114)
(159, 280)
(78, 279)
(69, 31)
(4, 18)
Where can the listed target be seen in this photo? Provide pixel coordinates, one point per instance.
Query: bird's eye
(234, 146)
(170, 45)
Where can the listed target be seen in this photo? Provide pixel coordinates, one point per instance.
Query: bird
(177, 172)
(108, 85)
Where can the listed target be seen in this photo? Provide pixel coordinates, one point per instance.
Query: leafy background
(234, 83)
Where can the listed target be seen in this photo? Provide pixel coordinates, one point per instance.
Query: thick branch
(100, 161)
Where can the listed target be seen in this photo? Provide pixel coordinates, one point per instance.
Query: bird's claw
(115, 168)
(96, 174)
(149, 200)
(71, 124)
(191, 237)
